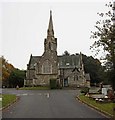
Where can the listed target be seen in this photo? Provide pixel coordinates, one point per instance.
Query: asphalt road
(48, 104)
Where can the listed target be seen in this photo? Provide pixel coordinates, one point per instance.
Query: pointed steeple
(50, 31)
(50, 43)
(81, 64)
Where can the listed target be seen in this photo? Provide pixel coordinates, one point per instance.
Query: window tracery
(47, 67)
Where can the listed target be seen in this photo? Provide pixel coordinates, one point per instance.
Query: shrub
(53, 83)
(85, 90)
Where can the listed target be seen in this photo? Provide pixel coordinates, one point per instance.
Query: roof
(69, 61)
(33, 60)
(65, 61)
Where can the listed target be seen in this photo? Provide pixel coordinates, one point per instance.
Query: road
(48, 104)
(0, 104)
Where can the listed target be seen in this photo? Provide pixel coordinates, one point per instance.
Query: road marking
(48, 95)
(24, 94)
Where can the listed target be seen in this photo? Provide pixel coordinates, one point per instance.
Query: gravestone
(104, 91)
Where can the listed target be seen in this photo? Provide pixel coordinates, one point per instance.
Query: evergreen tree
(94, 68)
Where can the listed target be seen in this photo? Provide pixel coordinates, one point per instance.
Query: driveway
(48, 104)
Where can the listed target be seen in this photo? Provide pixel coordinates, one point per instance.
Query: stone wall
(30, 74)
(44, 80)
(75, 79)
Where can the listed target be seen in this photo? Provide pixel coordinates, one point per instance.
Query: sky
(24, 25)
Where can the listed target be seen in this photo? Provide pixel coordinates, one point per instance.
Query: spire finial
(50, 27)
(50, 12)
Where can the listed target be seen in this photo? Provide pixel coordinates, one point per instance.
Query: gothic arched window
(46, 67)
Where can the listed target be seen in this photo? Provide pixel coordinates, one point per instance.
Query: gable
(71, 61)
(33, 60)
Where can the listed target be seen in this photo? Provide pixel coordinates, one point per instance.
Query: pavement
(48, 104)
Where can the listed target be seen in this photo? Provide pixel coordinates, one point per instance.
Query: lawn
(107, 107)
(0, 101)
(34, 88)
(7, 99)
(0, 104)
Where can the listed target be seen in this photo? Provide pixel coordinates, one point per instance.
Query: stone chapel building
(68, 70)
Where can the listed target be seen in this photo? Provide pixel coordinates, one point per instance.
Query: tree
(66, 53)
(94, 68)
(11, 76)
(104, 37)
(6, 69)
(16, 78)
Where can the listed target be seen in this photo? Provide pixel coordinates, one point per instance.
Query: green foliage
(11, 77)
(94, 68)
(85, 90)
(7, 99)
(0, 101)
(35, 88)
(6, 69)
(66, 53)
(104, 37)
(53, 83)
(16, 78)
(107, 107)
(104, 32)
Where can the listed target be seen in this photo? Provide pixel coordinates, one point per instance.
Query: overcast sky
(24, 27)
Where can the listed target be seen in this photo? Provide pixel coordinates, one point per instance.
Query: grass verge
(34, 88)
(0, 101)
(103, 107)
(7, 99)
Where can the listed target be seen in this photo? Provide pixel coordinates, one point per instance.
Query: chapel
(68, 70)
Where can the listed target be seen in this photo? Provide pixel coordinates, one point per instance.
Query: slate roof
(64, 61)
(33, 60)
(70, 61)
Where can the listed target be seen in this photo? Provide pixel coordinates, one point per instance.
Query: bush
(53, 83)
(85, 90)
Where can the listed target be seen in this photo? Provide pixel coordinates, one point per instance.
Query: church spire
(50, 31)
(81, 64)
